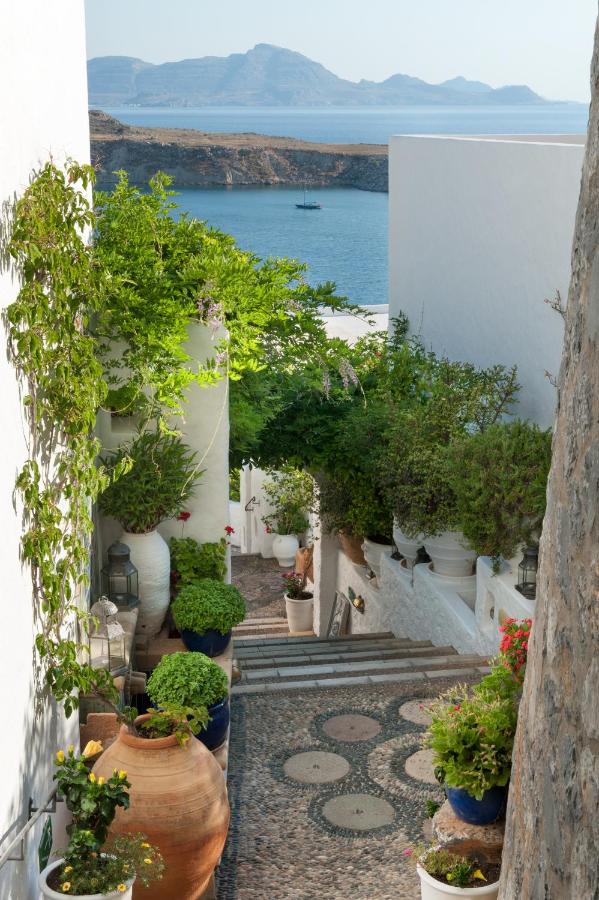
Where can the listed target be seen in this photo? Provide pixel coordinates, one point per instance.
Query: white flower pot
(48, 894)
(300, 613)
(408, 547)
(451, 554)
(431, 889)
(152, 559)
(284, 547)
(373, 553)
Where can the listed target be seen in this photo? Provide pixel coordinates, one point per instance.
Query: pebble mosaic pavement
(322, 804)
(261, 583)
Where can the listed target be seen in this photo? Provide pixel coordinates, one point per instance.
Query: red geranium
(514, 646)
(183, 516)
(229, 530)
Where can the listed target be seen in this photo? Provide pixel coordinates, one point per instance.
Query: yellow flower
(65, 886)
(121, 887)
(145, 845)
(60, 756)
(478, 874)
(92, 777)
(67, 869)
(71, 749)
(148, 861)
(101, 780)
(450, 876)
(122, 774)
(91, 748)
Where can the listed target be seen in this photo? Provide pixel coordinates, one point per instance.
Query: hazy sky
(546, 44)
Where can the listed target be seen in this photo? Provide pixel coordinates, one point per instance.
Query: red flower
(268, 529)
(183, 516)
(229, 530)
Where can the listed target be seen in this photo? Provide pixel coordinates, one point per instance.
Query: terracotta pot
(352, 547)
(178, 798)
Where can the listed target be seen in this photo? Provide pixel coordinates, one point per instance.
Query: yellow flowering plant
(92, 863)
(451, 868)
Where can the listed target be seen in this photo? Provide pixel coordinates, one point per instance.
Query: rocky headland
(203, 159)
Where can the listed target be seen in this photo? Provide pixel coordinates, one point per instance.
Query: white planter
(152, 559)
(464, 585)
(300, 614)
(284, 547)
(373, 553)
(431, 889)
(408, 547)
(451, 554)
(49, 894)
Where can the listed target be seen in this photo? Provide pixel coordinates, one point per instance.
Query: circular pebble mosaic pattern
(358, 812)
(352, 727)
(316, 767)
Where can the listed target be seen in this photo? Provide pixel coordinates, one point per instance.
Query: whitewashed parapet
(496, 596)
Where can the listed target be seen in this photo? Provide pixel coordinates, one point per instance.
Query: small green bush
(192, 561)
(208, 605)
(291, 493)
(499, 480)
(472, 734)
(187, 680)
(152, 477)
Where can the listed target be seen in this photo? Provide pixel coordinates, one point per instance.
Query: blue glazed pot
(477, 812)
(212, 643)
(216, 731)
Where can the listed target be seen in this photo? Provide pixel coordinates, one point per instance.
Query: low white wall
(480, 234)
(44, 113)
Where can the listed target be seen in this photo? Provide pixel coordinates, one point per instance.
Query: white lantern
(107, 639)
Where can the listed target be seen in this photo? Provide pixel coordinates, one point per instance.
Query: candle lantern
(527, 573)
(119, 577)
(107, 639)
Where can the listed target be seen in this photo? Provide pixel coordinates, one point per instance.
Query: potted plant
(499, 479)
(150, 480)
(444, 873)
(93, 865)
(472, 735)
(205, 612)
(177, 796)
(291, 494)
(191, 560)
(194, 680)
(299, 602)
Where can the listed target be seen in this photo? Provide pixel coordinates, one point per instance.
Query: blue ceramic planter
(477, 812)
(216, 731)
(212, 643)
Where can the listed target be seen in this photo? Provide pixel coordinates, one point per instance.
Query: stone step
(325, 649)
(346, 656)
(263, 620)
(358, 667)
(345, 638)
(241, 631)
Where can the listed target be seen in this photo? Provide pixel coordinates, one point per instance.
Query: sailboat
(308, 204)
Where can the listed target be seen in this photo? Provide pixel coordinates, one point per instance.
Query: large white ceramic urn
(152, 559)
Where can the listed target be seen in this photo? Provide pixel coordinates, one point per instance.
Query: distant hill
(272, 76)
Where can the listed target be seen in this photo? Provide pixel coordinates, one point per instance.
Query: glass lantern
(527, 573)
(107, 639)
(119, 577)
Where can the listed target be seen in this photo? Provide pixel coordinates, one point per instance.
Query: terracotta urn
(352, 547)
(178, 798)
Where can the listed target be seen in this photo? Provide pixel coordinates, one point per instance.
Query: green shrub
(160, 473)
(448, 867)
(291, 493)
(187, 679)
(208, 605)
(499, 479)
(192, 561)
(472, 734)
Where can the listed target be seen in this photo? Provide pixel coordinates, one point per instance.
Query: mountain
(272, 76)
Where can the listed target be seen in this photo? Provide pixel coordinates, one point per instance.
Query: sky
(546, 44)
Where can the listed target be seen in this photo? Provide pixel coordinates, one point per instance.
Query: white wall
(43, 93)
(480, 234)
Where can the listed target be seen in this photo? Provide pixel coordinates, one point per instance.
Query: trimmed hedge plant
(187, 680)
(208, 605)
(192, 561)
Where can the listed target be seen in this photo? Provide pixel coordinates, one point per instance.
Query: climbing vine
(62, 379)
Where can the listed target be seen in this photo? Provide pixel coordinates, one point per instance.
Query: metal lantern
(119, 577)
(107, 639)
(527, 573)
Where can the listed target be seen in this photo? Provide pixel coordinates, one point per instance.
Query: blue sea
(345, 241)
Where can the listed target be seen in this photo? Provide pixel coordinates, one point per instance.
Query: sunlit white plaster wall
(480, 235)
(44, 113)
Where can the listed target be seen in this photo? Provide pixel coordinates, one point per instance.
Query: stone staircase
(268, 627)
(271, 661)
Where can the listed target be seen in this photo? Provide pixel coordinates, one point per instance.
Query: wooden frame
(339, 616)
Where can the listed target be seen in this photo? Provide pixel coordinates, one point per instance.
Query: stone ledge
(483, 841)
